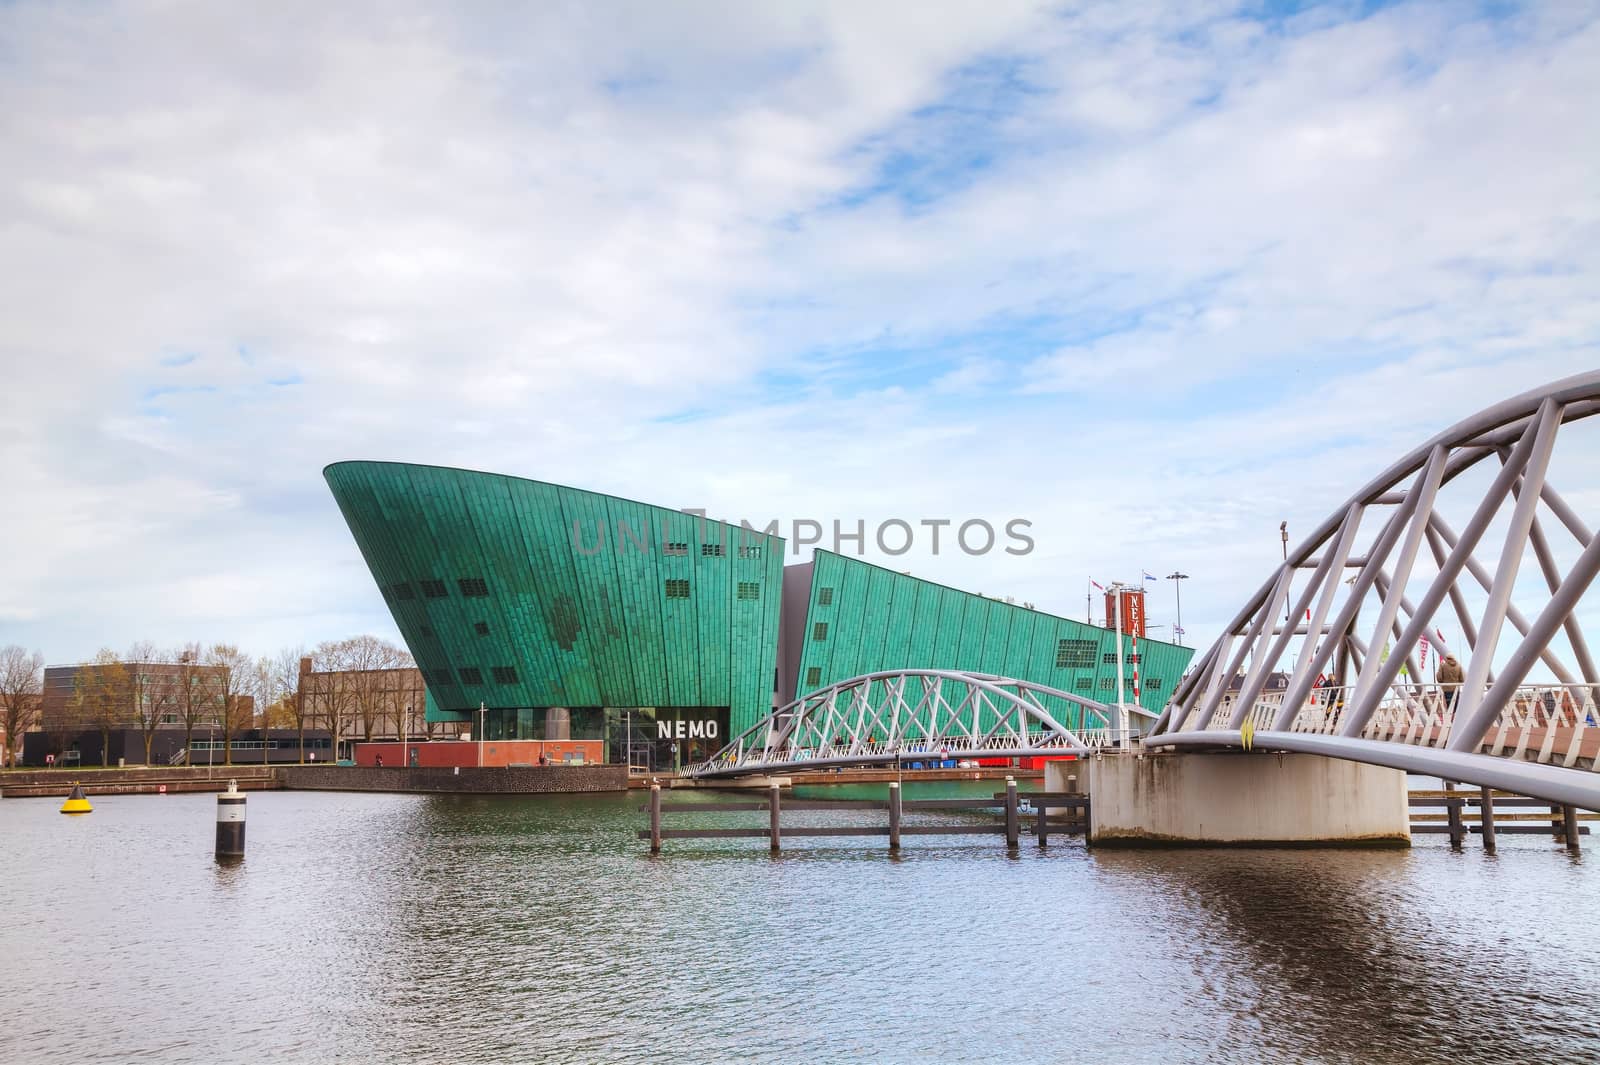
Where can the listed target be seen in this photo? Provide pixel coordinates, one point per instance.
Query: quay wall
(38, 783)
(488, 780)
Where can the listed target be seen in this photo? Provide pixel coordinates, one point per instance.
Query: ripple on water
(390, 928)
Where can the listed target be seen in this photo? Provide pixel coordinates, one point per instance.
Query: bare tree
(263, 689)
(356, 692)
(370, 663)
(230, 671)
(152, 695)
(21, 685)
(102, 697)
(196, 697)
(274, 697)
(287, 678)
(406, 697)
(331, 699)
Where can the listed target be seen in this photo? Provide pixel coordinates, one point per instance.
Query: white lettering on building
(686, 730)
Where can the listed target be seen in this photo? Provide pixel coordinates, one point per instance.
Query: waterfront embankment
(142, 780)
(488, 780)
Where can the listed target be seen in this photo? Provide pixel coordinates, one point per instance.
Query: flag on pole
(1147, 575)
(1097, 584)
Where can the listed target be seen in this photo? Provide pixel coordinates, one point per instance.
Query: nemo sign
(686, 730)
(1132, 611)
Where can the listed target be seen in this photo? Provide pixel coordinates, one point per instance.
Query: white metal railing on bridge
(937, 748)
(1554, 724)
(909, 714)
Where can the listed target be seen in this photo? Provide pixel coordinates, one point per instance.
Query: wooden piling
(894, 815)
(1039, 821)
(773, 808)
(1458, 832)
(1012, 825)
(1569, 825)
(655, 819)
(1486, 811)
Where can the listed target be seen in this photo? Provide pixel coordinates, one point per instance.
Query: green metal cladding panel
(568, 589)
(863, 618)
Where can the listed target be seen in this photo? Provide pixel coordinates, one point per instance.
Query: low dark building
(250, 747)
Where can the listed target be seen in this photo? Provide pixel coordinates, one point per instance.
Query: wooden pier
(1490, 818)
(1007, 804)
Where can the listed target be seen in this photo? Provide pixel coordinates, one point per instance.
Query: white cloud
(1169, 278)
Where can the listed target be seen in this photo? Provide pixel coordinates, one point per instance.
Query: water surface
(394, 928)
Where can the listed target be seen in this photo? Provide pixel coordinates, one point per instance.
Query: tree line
(358, 687)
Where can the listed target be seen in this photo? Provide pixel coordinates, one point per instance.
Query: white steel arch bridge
(910, 714)
(1513, 581)
(1325, 618)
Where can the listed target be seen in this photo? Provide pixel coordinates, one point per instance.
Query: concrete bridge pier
(1239, 799)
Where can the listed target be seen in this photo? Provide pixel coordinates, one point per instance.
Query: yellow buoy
(77, 802)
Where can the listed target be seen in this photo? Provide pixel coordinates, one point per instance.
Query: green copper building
(660, 630)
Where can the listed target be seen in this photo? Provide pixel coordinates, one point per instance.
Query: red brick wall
(463, 753)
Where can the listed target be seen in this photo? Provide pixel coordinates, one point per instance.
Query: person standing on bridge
(1450, 678)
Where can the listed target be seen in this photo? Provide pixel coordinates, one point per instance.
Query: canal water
(396, 928)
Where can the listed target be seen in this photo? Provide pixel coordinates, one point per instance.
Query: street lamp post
(1116, 610)
(1283, 531)
(483, 725)
(1177, 580)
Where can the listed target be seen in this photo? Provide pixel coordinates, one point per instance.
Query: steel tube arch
(839, 724)
(1383, 723)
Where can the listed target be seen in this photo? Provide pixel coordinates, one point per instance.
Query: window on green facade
(819, 631)
(749, 590)
(813, 676)
(677, 589)
(434, 589)
(481, 628)
(473, 587)
(505, 674)
(471, 675)
(713, 550)
(1075, 654)
(825, 597)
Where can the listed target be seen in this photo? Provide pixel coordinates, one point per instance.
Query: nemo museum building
(651, 636)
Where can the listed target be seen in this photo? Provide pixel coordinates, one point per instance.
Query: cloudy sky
(1154, 280)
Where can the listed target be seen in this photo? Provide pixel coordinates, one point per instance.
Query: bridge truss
(1341, 692)
(913, 714)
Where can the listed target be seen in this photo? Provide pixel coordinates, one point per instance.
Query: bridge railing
(1548, 723)
(756, 756)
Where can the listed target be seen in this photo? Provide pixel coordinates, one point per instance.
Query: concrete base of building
(1240, 799)
(487, 780)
